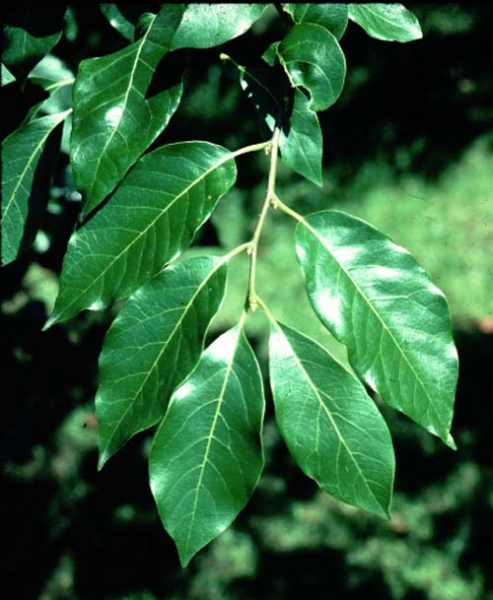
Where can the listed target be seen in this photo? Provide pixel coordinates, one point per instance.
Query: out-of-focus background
(408, 147)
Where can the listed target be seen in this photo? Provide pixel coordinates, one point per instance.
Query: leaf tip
(450, 442)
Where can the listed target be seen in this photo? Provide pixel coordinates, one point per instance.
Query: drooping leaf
(300, 141)
(388, 22)
(30, 30)
(209, 25)
(301, 149)
(207, 454)
(313, 59)
(331, 426)
(268, 91)
(28, 157)
(375, 298)
(146, 223)
(152, 345)
(114, 120)
(333, 17)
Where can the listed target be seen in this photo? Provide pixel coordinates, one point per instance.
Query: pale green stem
(270, 196)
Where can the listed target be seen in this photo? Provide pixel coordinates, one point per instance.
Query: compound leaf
(207, 454)
(375, 298)
(333, 17)
(152, 345)
(114, 121)
(388, 22)
(28, 157)
(331, 426)
(313, 59)
(147, 222)
(209, 25)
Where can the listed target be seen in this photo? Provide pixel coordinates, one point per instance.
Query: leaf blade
(207, 455)
(313, 59)
(333, 17)
(375, 298)
(152, 345)
(209, 25)
(114, 121)
(147, 222)
(302, 148)
(330, 425)
(30, 32)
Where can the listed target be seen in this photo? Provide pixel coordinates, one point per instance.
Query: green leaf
(152, 345)
(28, 156)
(146, 223)
(375, 298)
(30, 31)
(388, 22)
(301, 137)
(114, 120)
(331, 426)
(301, 149)
(333, 17)
(207, 454)
(117, 19)
(313, 59)
(209, 25)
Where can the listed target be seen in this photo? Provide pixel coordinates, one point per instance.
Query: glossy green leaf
(146, 223)
(388, 22)
(301, 149)
(30, 31)
(375, 298)
(152, 345)
(209, 25)
(333, 17)
(28, 157)
(114, 120)
(331, 426)
(313, 59)
(207, 454)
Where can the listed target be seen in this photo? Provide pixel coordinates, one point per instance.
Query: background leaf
(114, 120)
(209, 25)
(374, 298)
(28, 156)
(148, 221)
(333, 17)
(118, 20)
(152, 345)
(30, 30)
(313, 59)
(207, 454)
(388, 22)
(331, 426)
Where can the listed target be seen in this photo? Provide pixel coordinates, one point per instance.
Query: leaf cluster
(142, 208)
